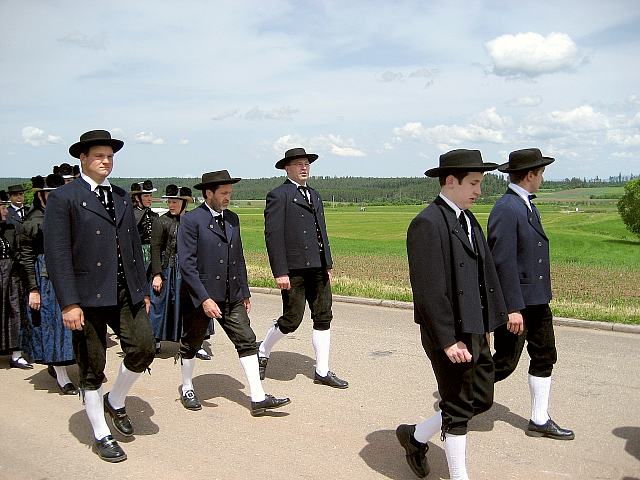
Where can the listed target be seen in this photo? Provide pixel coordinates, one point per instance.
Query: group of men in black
(465, 286)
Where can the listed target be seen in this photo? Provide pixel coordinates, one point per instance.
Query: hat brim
(177, 197)
(143, 191)
(439, 171)
(280, 164)
(504, 168)
(227, 181)
(78, 147)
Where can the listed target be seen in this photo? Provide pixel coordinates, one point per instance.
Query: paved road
(327, 433)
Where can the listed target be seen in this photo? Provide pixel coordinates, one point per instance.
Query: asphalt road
(326, 433)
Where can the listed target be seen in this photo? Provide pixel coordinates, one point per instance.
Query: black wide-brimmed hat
(4, 198)
(142, 187)
(93, 138)
(64, 169)
(183, 193)
(76, 171)
(51, 182)
(525, 159)
(221, 177)
(293, 154)
(460, 160)
(16, 189)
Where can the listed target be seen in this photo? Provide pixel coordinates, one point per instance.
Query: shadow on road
(497, 413)
(632, 436)
(384, 454)
(285, 366)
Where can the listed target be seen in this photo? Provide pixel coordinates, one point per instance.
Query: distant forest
(362, 190)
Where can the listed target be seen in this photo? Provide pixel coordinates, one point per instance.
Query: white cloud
(346, 151)
(184, 141)
(530, 54)
(619, 137)
(148, 137)
(224, 115)
(429, 74)
(36, 137)
(96, 41)
(334, 144)
(491, 119)
(526, 101)
(281, 113)
(580, 119)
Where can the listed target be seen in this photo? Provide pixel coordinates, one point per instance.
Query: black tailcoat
(81, 249)
(290, 230)
(443, 269)
(206, 256)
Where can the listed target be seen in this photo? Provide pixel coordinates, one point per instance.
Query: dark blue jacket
(443, 269)
(206, 257)
(290, 230)
(520, 251)
(81, 250)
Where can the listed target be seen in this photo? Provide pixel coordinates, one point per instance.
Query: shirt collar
(455, 208)
(296, 183)
(213, 212)
(93, 184)
(522, 193)
(16, 208)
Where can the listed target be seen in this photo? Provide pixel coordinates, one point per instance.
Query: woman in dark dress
(11, 308)
(46, 340)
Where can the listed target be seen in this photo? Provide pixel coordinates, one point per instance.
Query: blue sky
(375, 88)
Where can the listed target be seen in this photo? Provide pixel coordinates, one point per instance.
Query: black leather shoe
(68, 389)
(262, 366)
(109, 450)
(16, 364)
(416, 456)
(269, 402)
(551, 430)
(331, 380)
(202, 355)
(189, 399)
(119, 417)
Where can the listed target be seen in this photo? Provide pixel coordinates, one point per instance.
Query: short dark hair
(520, 175)
(459, 176)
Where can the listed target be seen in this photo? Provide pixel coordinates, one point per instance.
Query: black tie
(104, 194)
(533, 206)
(463, 221)
(21, 212)
(305, 193)
(220, 221)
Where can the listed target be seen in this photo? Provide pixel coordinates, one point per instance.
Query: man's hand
(157, 283)
(247, 305)
(34, 300)
(283, 282)
(458, 353)
(147, 303)
(73, 317)
(515, 324)
(211, 309)
(330, 275)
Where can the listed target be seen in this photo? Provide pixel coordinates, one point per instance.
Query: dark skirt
(11, 314)
(46, 339)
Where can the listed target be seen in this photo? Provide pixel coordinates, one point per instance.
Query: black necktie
(220, 221)
(104, 194)
(305, 193)
(533, 206)
(463, 221)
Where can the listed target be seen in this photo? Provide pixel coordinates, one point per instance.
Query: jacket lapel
(297, 198)
(454, 225)
(91, 202)
(533, 219)
(120, 204)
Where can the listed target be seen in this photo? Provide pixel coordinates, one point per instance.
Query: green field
(595, 260)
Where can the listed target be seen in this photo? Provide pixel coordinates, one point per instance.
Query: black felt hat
(293, 154)
(16, 189)
(51, 182)
(183, 193)
(142, 187)
(460, 160)
(93, 138)
(4, 198)
(525, 159)
(64, 169)
(221, 177)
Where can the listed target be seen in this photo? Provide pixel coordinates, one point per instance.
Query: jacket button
(219, 244)
(460, 292)
(99, 264)
(134, 260)
(233, 263)
(84, 204)
(98, 232)
(221, 260)
(231, 246)
(210, 226)
(540, 277)
(308, 264)
(304, 231)
(217, 277)
(302, 215)
(98, 295)
(539, 244)
(539, 260)
(234, 278)
(491, 290)
(462, 264)
(502, 314)
(306, 248)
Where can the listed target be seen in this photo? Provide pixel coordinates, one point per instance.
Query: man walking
(457, 302)
(215, 276)
(94, 260)
(520, 250)
(300, 259)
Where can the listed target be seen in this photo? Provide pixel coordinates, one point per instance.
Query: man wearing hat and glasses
(94, 259)
(296, 236)
(215, 276)
(17, 209)
(520, 250)
(457, 302)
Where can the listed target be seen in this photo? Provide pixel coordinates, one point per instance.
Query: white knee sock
(455, 447)
(540, 389)
(188, 364)
(428, 428)
(124, 382)
(250, 366)
(61, 375)
(16, 356)
(270, 339)
(321, 340)
(95, 411)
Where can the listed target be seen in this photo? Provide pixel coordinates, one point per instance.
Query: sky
(375, 88)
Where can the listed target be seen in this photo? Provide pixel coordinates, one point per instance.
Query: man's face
(17, 198)
(145, 198)
(220, 199)
(4, 212)
(298, 170)
(464, 194)
(536, 180)
(98, 163)
(175, 205)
